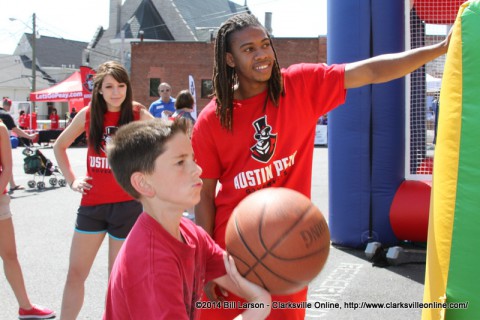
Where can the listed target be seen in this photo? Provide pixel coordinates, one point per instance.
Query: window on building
(207, 88)
(154, 83)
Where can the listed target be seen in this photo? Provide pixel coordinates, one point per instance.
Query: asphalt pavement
(349, 286)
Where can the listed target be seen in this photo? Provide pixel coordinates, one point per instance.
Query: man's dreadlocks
(225, 77)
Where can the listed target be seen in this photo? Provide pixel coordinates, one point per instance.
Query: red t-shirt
(22, 121)
(271, 148)
(105, 188)
(54, 121)
(31, 121)
(267, 148)
(155, 276)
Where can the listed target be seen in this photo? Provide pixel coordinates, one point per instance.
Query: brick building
(174, 61)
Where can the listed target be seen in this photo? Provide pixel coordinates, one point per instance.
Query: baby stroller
(37, 164)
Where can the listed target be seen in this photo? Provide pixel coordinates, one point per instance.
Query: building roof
(147, 19)
(160, 20)
(182, 18)
(53, 52)
(15, 74)
(199, 15)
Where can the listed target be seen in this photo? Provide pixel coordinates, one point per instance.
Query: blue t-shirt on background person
(161, 109)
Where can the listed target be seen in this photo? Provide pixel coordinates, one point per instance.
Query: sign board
(321, 134)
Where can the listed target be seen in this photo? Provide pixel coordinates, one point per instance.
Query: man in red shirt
(258, 131)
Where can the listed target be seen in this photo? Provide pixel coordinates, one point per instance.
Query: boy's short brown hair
(137, 145)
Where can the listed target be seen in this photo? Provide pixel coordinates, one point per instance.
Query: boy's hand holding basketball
(251, 291)
(248, 290)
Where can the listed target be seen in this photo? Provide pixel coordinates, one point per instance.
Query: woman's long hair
(225, 77)
(98, 105)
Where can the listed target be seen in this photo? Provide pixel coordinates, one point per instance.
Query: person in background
(72, 115)
(22, 124)
(10, 124)
(165, 106)
(324, 120)
(54, 119)
(262, 117)
(436, 110)
(105, 208)
(8, 251)
(31, 121)
(183, 107)
(160, 269)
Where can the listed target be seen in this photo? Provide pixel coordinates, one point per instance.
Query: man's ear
(140, 183)
(230, 60)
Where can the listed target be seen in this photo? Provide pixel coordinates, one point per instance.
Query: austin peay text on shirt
(264, 177)
(263, 151)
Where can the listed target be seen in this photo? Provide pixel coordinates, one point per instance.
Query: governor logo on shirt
(107, 137)
(264, 149)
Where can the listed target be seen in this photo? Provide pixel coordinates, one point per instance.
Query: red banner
(87, 75)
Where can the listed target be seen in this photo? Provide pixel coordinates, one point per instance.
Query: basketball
(279, 239)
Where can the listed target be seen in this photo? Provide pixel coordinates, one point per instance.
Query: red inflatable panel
(437, 11)
(409, 211)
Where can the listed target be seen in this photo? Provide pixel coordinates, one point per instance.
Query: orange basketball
(279, 239)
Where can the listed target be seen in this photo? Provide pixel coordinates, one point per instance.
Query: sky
(62, 19)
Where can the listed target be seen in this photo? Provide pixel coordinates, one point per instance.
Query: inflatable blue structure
(367, 135)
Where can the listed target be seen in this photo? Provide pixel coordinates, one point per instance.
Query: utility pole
(34, 56)
(34, 59)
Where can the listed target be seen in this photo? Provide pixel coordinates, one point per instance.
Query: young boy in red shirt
(166, 260)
